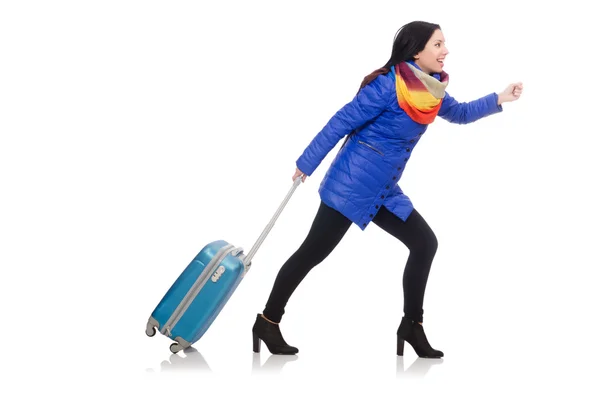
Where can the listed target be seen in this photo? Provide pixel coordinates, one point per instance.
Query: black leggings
(328, 229)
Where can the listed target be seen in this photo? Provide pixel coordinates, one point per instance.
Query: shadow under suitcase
(193, 360)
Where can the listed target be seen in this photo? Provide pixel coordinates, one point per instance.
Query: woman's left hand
(511, 93)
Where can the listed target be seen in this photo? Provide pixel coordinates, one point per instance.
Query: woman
(384, 122)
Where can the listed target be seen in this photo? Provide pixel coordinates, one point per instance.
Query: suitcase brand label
(217, 275)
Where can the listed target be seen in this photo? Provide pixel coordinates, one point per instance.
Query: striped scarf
(419, 94)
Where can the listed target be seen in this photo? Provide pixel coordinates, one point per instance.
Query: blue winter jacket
(365, 173)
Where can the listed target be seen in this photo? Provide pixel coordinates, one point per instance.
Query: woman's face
(431, 59)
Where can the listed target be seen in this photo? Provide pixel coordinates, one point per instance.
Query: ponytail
(373, 76)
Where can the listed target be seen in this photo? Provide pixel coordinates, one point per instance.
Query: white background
(135, 132)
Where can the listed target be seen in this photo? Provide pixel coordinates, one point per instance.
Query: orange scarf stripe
(414, 97)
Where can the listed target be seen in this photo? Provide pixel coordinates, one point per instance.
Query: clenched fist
(511, 93)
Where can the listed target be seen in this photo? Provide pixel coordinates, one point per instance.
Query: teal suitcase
(195, 299)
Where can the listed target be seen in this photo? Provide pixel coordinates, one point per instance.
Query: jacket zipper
(371, 147)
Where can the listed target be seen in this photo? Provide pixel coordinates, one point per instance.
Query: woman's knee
(425, 245)
(432, 244)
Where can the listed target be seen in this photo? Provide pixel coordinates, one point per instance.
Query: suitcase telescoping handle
(252, 252)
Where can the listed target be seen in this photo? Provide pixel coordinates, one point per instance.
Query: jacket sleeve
(367, 104)
(468, 112)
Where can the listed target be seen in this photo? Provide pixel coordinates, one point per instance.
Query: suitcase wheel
(151, 332)
(152, 326)
(175, 347)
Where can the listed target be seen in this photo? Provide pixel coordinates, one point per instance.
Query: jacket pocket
(371, 147)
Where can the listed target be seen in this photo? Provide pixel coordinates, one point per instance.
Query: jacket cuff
(493, 104)
(304, 166)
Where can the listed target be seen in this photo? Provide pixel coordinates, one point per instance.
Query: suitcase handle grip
(252, 252)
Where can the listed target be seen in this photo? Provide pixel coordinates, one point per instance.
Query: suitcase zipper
(196, 288)
(370, 147)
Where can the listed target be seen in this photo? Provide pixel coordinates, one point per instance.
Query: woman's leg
(327, 230)
(418, 237)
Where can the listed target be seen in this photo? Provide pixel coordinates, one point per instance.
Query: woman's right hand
(297, 174)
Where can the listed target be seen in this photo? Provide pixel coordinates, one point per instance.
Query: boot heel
(255, 343)
(400, 346)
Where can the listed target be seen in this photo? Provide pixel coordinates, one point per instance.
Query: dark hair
(409, 40)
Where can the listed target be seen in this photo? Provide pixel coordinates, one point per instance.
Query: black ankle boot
(412, 332)
(271, 335)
